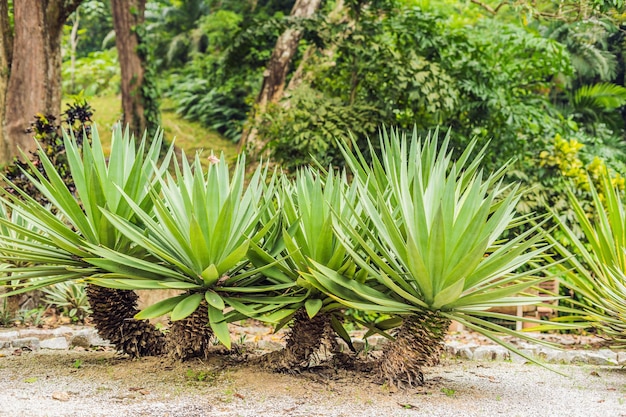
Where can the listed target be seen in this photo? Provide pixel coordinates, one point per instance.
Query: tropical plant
(70, 299)
(596, 262)
(433, 249)
(307, 204)
(203, 227)
(57, 251)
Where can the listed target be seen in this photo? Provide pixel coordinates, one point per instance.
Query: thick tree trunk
(35, 80)
(6, 49)
(127, 15)
(419, 342)
(275, 75)
(306, 337)
(113, 315)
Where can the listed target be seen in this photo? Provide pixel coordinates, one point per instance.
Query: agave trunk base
(192, 336)
(419, 342)
(113, 315)
(305, 338)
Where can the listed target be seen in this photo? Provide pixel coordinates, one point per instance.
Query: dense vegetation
(391, 222)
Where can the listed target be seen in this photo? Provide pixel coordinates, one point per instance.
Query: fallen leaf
(594, 373)
(30, 380)
(135, 389)
(144, 392)
(61, 396)
(241, 397)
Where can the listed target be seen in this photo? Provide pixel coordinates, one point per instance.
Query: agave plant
(307, 204)
(432, 246)
(75, 221)
(201, 234)
(596, 262)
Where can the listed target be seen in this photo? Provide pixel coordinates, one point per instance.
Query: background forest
(544, 84)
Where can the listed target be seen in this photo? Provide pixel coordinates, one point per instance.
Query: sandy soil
(71, 383)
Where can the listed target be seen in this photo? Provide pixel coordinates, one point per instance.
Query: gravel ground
(71, 383)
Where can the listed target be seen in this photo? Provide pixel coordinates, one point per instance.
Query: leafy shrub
(596, 263)
(96, 74)
(70, 299)
(311, 124)
(47, 131)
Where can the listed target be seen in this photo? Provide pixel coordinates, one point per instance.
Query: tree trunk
(419, 342)
(113, 315)
(191, 337)
(35, 80)
(73, 46)
(275, 75)
(6, 45)
(127, 16)
(306, 337)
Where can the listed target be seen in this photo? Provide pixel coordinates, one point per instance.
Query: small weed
(242, 339)
(498, 398)
(367, 348)
(31, 380)
(6, 318)
(201, 376)
(77, 364)
(33, 317)
(448, 391)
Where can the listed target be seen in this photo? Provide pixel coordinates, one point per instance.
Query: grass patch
(189, 136)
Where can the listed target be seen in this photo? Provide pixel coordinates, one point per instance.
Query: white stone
(29, 342)
(57, 343)
(38, 333)
(600, 358)
(9, 335)
(486, 353)
(63, 331)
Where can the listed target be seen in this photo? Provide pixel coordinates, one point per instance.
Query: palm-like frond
(203, 227)
(596, 268)
(433, 239)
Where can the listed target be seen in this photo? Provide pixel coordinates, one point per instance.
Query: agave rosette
(203, 228)
(595, 267)
(309, 204)
(50, 240)
(432, 241)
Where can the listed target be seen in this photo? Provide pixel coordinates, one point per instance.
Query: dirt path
(70, 383)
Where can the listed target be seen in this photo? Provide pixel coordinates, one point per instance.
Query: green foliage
(432, 242)
(309, 127)
(413, 67)
(6, 317)
(97, 73)
(69, 299)
(32, 317)
(223, 110)
(48, 134)
(57, 251)
(596, 263)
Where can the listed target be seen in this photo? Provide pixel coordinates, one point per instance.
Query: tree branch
(488, 7)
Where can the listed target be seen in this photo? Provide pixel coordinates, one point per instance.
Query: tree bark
(6, 45)
(128, 15)
(34, 84)
(275, 75)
